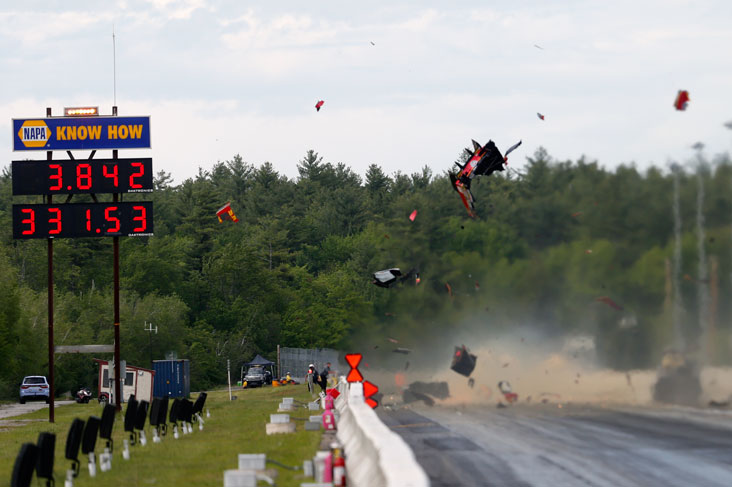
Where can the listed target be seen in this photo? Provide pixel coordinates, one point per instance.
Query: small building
(138, 381)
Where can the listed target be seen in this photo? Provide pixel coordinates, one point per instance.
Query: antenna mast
(114, 65)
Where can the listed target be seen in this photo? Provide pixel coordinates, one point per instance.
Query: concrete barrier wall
(375, 455)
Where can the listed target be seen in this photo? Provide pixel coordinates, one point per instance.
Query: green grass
(197, 459)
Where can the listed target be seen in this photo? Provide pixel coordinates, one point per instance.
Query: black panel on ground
(155, 411)
(25, 463)
(174, 408)
(163, 411)
(46, 451)
(73, 440)
(186, 410)
(105, 427)
(89, 442)
(198, 405)
(141, 414)
(130, 413)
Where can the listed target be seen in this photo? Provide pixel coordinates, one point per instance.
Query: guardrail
(375, 455)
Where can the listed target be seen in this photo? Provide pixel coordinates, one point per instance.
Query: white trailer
(137, 381)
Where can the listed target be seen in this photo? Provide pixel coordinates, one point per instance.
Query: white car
(34, 387)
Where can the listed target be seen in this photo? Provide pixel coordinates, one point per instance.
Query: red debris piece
(609, 302)
(319, 105)
(682, 100)
(226, 213)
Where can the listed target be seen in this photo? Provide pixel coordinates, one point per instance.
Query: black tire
(86, 400)
(22, 400)
(48, 400)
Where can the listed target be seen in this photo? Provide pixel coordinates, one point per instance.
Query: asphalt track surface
(575, 445)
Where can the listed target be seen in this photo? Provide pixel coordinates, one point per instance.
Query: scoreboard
(74, 220)
(82, 176)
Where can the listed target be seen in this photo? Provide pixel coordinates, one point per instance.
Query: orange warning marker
(369, 390)
(353, 360)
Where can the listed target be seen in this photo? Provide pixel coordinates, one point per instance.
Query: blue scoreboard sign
(81, 133)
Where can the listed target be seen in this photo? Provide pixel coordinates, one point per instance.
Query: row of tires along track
(39, 457)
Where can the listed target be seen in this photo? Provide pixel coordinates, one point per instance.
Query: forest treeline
(296, 268)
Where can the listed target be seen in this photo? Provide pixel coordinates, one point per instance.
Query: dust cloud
(554, 370)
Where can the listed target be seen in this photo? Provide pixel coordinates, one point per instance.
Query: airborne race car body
(483, 161)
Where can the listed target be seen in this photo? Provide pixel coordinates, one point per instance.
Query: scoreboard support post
(51, 381)
(117, 359)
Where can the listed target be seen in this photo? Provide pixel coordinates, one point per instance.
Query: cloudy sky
(405, 83)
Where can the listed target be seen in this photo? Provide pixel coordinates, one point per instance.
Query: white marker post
(228, 373)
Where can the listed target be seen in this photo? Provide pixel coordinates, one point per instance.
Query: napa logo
(34, 133)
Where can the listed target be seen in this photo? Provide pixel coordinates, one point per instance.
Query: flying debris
(541, 117)
(372, 43)
(319, 105)
(393, 340)
(477, 286)
(698, 146)
(483, 161)
(609, 302)
(425, 391)
(439, 390)
(471, 382)
(411, 396)
(728, 124)
(538, 47)
(405, 351)
(417, 280)
(413, 215)
(449, 289)
(682, 100)
(463, 362)
(226, 213)
(505, 388)
(386, 277)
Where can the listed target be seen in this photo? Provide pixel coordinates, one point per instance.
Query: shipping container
(172, 378)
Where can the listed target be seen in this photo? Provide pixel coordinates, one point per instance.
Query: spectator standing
(312, 378)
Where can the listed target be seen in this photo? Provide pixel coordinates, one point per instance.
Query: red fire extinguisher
(339, 470)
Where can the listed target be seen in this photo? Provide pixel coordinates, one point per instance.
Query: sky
(406, 84)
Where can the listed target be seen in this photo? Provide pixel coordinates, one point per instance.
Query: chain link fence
(296, 361)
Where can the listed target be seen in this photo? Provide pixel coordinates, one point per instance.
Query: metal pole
(228, 373)
(279, 368)
(118, 380)
(51, 381)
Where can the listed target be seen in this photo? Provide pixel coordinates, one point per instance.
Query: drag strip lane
(587, 446)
